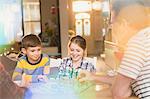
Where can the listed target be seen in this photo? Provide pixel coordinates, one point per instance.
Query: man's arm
(121, 87)
(120, 84)
(88, 76)
(104, 79)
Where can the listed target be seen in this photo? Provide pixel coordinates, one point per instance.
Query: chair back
(55, 62)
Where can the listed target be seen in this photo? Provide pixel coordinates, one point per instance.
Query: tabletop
(68, 89)
(56, 89)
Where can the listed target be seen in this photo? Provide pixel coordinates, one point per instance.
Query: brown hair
(80, 41)
(31, 40)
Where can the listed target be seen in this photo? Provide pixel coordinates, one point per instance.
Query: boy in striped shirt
(33, 66)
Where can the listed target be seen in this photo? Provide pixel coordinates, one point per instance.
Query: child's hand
(26, 80)
(42, 78)
(85, 76)
(25, 85)
(46, 70)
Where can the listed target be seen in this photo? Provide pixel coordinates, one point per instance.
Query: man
(131, 25)
(8, 89)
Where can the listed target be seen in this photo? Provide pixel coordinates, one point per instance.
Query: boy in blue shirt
(33, 66)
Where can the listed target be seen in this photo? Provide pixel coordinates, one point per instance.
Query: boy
(33, 66)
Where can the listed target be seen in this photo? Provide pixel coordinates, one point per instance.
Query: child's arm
(44, 74)
(17, 74)
(35, 78)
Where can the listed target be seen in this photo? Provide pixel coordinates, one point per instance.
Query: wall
(63, 26)
(46, 13)
(95, 40)
(50, 24)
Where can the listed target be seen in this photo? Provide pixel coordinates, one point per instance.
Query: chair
(54, 67)
(9, 64)
(55, 62)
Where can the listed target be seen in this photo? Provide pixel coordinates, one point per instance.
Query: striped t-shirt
(136, 63)
(31, 70)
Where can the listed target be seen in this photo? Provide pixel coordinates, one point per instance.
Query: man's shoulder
(141, 35)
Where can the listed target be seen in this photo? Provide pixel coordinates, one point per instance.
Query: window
(10, 21)
(31, 17)
(83, 25)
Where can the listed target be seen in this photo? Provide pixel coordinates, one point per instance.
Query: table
(57, 89)
(68, 89)
(103, 93)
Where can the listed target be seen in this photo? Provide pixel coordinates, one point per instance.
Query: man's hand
(85, 76)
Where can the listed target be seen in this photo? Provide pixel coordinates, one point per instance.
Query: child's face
(33, 54)
(76, 52)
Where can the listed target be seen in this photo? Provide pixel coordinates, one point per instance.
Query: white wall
(63, 26)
